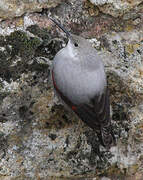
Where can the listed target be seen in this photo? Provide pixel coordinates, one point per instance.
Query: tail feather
(107, 137)
(104, 133)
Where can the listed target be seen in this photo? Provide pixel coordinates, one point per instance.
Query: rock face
(39, 138)
(11, 9)
(118, 8)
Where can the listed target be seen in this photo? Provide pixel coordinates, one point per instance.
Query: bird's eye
(75, 44)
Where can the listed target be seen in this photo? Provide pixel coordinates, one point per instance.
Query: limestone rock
(10, 9)
(117, 8)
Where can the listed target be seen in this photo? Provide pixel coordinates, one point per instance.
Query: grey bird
(79, 79)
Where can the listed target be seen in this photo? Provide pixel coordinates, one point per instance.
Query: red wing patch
(73, 108)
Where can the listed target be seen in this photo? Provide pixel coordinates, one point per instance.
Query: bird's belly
(79, 87)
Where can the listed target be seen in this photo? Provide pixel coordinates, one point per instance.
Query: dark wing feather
(97, 116)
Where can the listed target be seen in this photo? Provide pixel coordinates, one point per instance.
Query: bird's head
(77, 42)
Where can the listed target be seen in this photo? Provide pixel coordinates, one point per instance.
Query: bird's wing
(96, 114)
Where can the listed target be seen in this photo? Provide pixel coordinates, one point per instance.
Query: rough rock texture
(39, 139)
(118, 8)
(14, 8)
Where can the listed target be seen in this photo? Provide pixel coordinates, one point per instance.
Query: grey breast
(78, 83)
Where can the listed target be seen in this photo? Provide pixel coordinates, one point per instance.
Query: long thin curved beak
(61, 27)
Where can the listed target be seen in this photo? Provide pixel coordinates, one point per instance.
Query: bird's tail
(106, 137)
